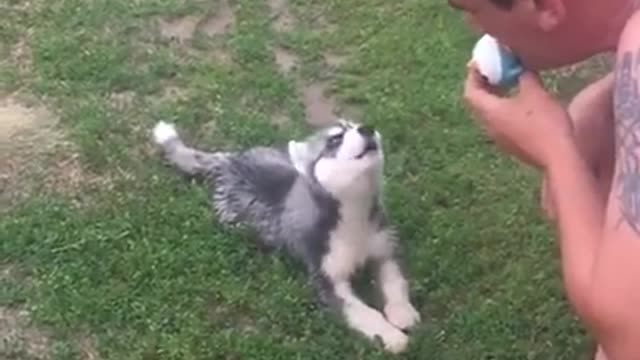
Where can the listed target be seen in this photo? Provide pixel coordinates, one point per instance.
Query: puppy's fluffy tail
(187, 160)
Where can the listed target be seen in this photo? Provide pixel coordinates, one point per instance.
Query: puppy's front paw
(402, 315)
(394, 340)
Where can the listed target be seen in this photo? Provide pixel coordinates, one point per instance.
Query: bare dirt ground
(284, 20)
(35, 154)
(27, 133)
(319, 107)
(220, 22)
(285, 59)
(19, 338)
(183, 29)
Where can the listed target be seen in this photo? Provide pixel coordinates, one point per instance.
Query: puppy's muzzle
(368, 132)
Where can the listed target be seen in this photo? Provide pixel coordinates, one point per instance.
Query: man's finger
(476, 94)
(529, 81)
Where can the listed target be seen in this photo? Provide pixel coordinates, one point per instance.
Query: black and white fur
(320, 199)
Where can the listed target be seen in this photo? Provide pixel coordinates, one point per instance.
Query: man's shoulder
(630, 36)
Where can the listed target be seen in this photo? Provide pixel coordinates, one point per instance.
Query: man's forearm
(580, 212)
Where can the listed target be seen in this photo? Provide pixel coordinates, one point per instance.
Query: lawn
(106, 254)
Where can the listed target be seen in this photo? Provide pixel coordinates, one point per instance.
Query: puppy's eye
(335, 141)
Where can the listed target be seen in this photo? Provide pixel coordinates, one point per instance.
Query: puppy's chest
(352, 243)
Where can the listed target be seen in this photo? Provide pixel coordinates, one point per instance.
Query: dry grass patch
(184, 29)
(35, 155)
(285, 59)
(220, 22)
(284, 21)
(19, 338)
(181, 29)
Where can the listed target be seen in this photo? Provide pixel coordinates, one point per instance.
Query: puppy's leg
(333, 275)
(367, 320)
(394, 287)
(335, 292)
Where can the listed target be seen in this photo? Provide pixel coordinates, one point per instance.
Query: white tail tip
(164, 132)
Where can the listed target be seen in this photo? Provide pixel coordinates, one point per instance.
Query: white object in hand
(497, 64)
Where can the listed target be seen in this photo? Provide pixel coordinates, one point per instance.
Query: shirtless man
(588, 153)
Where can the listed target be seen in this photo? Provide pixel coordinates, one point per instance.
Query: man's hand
(529, 124)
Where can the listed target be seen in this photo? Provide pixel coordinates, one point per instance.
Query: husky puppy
(320, 199)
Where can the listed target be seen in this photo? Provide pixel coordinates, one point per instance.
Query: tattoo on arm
(627, 138)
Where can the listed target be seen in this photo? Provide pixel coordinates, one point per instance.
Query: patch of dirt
(19, 338)
(222, 57)
(12, 272)
(180, 29)
(23, 126)
(21, 54)
(319, 108)
(284, 20)
(280, 119)
(350, 112)
(87, 347)
(26, 133)
(183, 29)
(286, 60)
(67, 175)
(172, 93)
(169, 93)
(334, 60)
(35, 154)
(220, 22)
(6, 272)
(210, 127)
(122, 100)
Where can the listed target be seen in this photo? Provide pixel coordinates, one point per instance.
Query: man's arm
(580, 213)
(600, 246)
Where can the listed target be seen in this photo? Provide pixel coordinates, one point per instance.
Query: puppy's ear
(299, 153)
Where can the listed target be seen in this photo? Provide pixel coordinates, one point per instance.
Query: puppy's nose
(367, 131)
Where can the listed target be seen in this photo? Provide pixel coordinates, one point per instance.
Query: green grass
(142, 266)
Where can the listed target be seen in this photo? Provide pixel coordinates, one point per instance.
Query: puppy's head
(345, 158)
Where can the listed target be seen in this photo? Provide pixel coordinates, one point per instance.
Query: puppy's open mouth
(371, 146)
